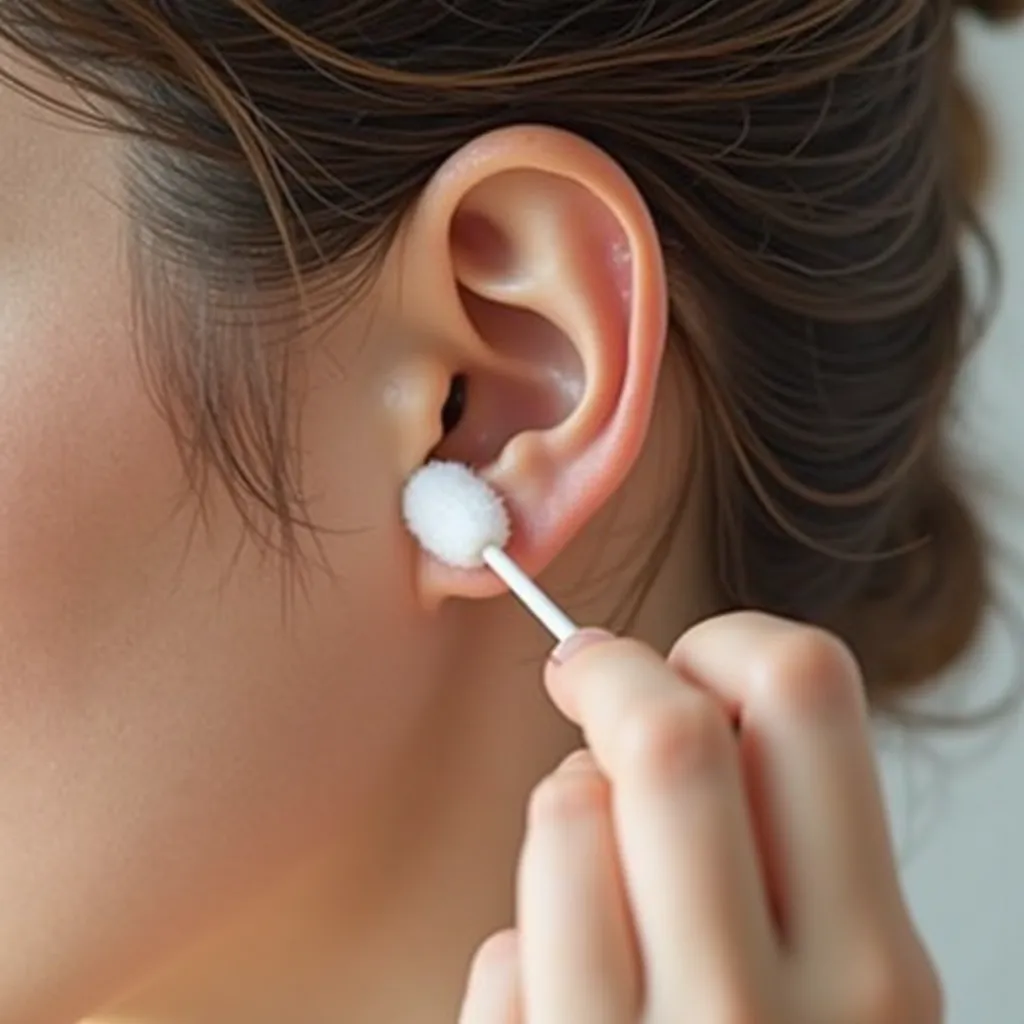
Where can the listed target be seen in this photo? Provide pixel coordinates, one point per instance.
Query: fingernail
(579, 641)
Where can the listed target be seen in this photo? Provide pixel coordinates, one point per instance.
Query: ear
(532, 267)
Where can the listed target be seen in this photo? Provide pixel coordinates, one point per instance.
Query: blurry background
(958, 800)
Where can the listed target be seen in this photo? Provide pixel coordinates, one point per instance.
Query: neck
(381, 924)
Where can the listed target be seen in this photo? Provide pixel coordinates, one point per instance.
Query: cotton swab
(461, 520)
(554, 620)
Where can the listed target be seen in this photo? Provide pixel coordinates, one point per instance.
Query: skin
(217, 806)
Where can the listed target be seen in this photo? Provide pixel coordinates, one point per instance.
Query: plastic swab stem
(557, 623)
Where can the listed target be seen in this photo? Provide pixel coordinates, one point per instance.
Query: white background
(958, 803)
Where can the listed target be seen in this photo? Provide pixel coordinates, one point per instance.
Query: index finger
(602, 683)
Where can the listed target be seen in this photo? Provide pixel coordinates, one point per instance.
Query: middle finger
(684, 831)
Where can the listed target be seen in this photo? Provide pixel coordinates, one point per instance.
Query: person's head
(652, 267)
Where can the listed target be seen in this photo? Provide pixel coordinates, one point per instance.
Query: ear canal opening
(454, 407)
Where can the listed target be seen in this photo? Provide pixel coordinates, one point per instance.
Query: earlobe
(553, 299)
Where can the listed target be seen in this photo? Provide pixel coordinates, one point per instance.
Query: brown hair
(800, 160)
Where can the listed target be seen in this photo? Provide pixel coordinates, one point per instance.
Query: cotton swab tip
(454, 514)
(461, 520)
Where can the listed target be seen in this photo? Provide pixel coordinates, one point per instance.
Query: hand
(719, 855)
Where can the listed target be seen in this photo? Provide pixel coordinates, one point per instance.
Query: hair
(802, 161)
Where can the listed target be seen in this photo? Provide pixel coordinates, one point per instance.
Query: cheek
(177, 717)
(85, 465)
(87, 472)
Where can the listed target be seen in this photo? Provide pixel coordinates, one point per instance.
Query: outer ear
(533, 256)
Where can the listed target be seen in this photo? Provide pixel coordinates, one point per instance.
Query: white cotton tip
(454, 514)
(462, 521)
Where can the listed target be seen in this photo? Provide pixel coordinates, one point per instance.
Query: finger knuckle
(658, 741)
(496, 954)
(738, 1014)
(578, 761)
(730, 999)
(877, 998)
(724, 626)
(737, 1006)
(928, 996)
(887, 988)
(806, 669)
(566, 795)
(920, 984)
